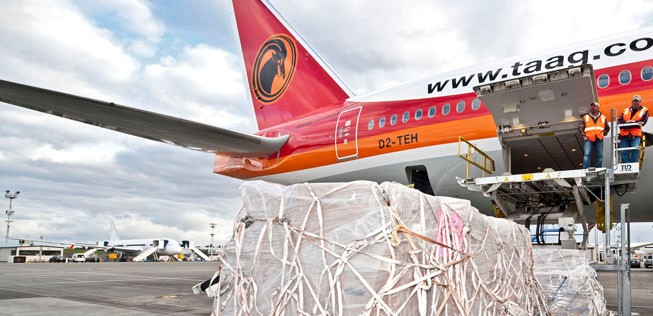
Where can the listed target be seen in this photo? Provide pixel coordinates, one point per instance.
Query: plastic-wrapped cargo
(569, 282)
(361, 248)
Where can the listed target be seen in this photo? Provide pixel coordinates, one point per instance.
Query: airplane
(641, 248)
(312, 127)
(142, 247)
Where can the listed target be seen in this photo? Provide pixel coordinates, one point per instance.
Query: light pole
(212, 234)
(9, 212)
(41, 249)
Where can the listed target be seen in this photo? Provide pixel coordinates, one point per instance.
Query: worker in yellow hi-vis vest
(593, 126)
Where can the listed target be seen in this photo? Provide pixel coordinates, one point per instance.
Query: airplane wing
(639, 245)
(75, 244)
(150, 125)
(68, 245)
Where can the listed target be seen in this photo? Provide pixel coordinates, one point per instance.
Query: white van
(648, 260)
(78, 257)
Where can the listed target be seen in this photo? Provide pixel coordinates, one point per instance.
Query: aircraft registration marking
(399, 140)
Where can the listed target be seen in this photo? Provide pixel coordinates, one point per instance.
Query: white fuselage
(165, 246)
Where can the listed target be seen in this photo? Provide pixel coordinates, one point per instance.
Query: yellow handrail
(471, 155)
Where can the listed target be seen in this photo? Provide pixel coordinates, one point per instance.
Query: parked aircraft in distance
(142, 248)
(313, 128)
(641, 248)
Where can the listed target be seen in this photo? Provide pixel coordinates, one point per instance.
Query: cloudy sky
(182, 59)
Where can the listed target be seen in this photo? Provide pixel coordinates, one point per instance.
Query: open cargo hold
(537, 116)
(363, 248)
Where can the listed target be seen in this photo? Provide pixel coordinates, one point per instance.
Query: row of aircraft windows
(625, 77)
(446, 108)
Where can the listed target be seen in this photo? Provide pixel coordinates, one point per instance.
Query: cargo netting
(361, 248)
(569, 282)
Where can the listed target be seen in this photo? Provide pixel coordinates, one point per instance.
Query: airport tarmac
(153, 288)
(133, 288)
(641, 290)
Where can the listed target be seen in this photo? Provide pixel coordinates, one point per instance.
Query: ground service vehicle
(648, 261)
(78, 257)
(635, 263)
(57, 259)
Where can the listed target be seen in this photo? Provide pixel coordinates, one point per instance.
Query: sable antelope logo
(273, 68)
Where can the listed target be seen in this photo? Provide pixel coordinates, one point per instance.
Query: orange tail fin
(286, 78)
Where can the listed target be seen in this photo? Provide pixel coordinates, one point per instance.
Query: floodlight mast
(212, 234)
(10, 211)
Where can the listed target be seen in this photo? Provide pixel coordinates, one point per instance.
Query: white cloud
(563, 22)
(54, 37)
(137, 17)
(80, 153)
(206, 70)
(142, 48)
(204, 84)
(29, 135)
(132, 16)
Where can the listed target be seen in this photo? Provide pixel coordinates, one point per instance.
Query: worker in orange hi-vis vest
(631, 136)
(593, 126)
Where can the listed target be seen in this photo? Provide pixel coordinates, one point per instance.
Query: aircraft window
(476, 104)
(624, 77)
(432, 111)
(405, 117)
(603, 81)
(370, 125)
(460, 107)
(418, 114)
(446, 108)
(382, 122)
(647, 73)
(393, 119)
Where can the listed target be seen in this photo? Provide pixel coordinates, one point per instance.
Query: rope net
(569, 282)
(361, 248)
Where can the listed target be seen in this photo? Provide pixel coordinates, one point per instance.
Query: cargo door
(418, 177)
(346, 134)
(538, 116)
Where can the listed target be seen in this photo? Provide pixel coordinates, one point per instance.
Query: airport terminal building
(24, 254)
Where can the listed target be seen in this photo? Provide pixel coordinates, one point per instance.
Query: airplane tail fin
(286, 79)
(113, 233)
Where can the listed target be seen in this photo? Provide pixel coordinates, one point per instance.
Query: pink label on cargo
(449, 231)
